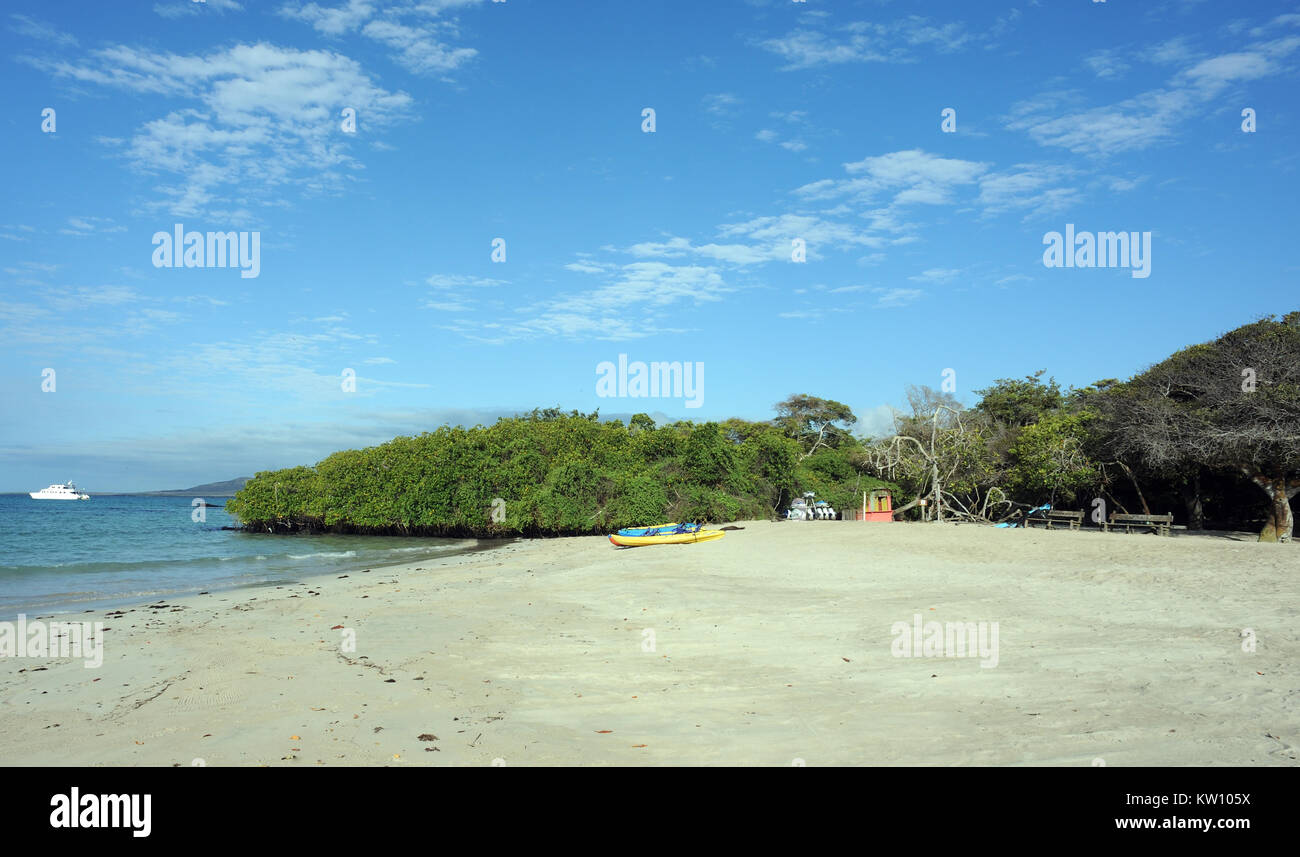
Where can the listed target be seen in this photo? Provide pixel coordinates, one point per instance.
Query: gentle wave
(133, 548)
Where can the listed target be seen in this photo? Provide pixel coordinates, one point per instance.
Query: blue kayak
(661, 530)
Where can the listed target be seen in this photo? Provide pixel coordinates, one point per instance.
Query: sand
(772, 646)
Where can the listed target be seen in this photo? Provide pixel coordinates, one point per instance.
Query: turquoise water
(65, 555)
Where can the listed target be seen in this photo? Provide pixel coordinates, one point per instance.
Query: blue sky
(774, 121)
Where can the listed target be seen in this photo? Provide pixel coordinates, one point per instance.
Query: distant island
(209, 489)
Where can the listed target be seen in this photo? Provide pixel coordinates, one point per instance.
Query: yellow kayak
(669, 539)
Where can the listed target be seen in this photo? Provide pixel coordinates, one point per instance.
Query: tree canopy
(562, 473)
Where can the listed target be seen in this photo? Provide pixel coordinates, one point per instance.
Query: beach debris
(846, 660)
(336, 627)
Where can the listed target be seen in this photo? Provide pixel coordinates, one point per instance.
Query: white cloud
(934, 275)
(418, 47)
(721, 104)
(88, 225)
(1035, 188)
(1153, 117)
(37, 29)
(416, 33)
(261, 118)
(897, 297)
(1106, 64)
(330, 20)
(183, 8)
(794, 117)
(643, 300)
(864, 41)
(457, 281)
(913, 175)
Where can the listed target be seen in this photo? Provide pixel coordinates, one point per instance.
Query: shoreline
(111, 603)
(765, 647)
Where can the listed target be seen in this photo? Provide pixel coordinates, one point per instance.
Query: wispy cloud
(1152, 117)
(1106, 64)
(863, 41)
(936, 275)
(642, 300)
(721, 104)
(89, 225)
(41, 31)
(186, 8)
(897, 297)
(260, 118)
(416, 33)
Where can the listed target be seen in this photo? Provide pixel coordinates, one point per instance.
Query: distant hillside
(210, 489)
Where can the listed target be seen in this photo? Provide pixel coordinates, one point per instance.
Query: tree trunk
(1281, 521)
(1192, 500)
(938, 496)
(916, 501)
(1146, 510)
(1115, 500)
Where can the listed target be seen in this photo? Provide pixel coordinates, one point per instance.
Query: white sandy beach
(772, 645)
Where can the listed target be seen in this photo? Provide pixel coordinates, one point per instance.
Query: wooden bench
(1159, 523)
(1054, 516)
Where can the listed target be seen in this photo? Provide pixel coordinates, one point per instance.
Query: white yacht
(66, 491)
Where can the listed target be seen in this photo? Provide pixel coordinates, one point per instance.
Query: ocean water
(60, 556)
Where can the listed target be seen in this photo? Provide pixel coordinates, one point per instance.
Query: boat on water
(59, 491)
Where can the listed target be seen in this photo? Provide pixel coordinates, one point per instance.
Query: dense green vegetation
(1211, 434)
(561, 474)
